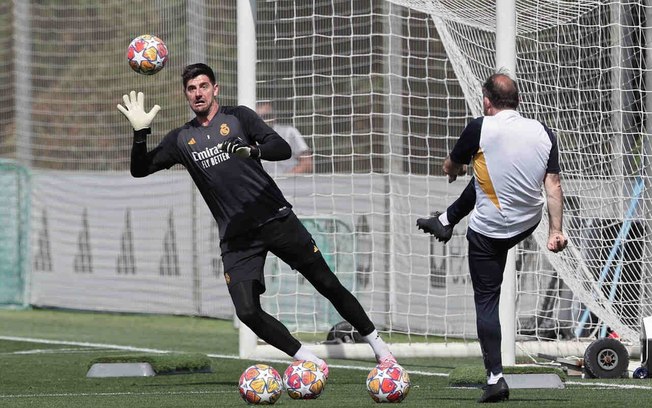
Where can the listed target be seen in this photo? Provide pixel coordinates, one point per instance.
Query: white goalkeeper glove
(134, 110)
(238, 147)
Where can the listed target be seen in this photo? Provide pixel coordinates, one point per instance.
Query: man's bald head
(502, 91)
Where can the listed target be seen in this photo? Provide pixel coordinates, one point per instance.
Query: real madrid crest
(224, 129)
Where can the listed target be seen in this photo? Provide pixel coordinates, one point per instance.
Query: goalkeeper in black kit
(221, 148)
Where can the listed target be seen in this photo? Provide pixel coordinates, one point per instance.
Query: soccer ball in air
(304, 380)
(388, 383)
(260, 384)
(147, 54)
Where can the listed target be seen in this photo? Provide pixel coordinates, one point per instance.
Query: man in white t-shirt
(301, 160)
(514, 159)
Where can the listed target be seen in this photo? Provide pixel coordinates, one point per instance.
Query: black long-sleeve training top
(239, 193)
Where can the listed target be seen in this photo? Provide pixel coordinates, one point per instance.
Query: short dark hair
(502, 91)
(195, 70)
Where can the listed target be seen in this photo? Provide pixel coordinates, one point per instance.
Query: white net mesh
(583, 70)
(380, 91)
(101, 239)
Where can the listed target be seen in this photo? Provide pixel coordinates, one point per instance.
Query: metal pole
(506, 62)
(23, 81)
(646, 277)
(394, 126)
(246, 53)
(196, 39)
(246, 23)
(196, 28)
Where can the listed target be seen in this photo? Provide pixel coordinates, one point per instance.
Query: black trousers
(244, 260)
(487, 258)
(246, 299)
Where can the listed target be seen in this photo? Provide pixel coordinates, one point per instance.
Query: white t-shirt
(511, 156)
(298, 145)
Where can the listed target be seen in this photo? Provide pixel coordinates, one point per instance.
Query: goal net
(583, 69)
(380, 92)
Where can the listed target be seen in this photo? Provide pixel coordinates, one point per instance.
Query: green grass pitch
(45, 354)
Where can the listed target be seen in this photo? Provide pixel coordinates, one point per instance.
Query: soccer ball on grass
(304, 380)
(147, 54)
(260, 384)
(388, 383)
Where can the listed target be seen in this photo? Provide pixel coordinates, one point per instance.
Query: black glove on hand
(238, 147)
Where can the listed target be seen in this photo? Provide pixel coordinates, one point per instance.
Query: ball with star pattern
(260, 384)
(388, 383)
(147, 54)
(304, 380)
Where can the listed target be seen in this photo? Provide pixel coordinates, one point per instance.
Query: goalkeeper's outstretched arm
(143, 162)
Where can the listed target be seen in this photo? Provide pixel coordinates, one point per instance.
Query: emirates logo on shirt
(224, 129)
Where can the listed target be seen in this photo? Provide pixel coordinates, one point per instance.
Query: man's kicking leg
(441, 224)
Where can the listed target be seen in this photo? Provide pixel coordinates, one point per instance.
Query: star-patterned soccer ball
(147, 54)
(304, 380)
(388, 383)
(260, 384)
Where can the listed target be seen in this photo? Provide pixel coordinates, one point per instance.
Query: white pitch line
(84, 344)
(348, 367)
(234, 357)
(607, 385)
(158, 351)
(61, 351)
(111, 394)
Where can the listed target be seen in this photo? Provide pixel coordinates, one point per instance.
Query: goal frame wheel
(606, 358)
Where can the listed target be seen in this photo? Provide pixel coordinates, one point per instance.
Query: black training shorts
(244, 256)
